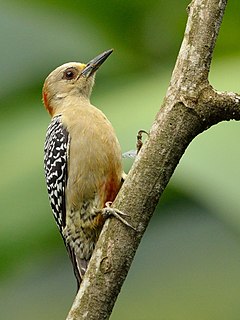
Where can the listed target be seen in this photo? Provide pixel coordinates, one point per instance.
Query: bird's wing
(56, 154)
(56, 151)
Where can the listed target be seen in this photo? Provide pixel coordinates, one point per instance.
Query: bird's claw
(109, 211)
(108, 206)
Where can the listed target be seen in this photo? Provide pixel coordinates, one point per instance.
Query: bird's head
(71, 79)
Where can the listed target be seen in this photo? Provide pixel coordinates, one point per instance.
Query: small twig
(139, 139)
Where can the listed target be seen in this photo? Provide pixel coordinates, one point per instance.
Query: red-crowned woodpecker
(82, 160)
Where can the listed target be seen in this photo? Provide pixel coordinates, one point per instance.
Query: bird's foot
(109, 211)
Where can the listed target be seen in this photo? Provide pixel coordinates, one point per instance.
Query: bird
(82, 160)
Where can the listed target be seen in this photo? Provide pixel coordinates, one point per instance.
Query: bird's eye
(70, 73)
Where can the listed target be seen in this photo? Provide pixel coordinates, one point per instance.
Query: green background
(188, 264)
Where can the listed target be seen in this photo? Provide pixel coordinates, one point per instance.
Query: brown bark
(191, 106)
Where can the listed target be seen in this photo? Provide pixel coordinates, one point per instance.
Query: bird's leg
(139, 139)
(109, 211)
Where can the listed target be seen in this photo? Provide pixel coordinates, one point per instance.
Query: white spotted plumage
(55, 165)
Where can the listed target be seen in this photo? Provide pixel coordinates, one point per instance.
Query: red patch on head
(46, 100)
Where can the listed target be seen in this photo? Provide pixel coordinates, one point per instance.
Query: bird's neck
(65, 103)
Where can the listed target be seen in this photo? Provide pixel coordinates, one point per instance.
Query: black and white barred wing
(55, 164)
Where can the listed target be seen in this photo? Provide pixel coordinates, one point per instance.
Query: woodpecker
(82, 160)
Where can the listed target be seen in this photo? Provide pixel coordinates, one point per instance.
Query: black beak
(95, 63)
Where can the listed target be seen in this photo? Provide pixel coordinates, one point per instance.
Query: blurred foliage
(187, 266)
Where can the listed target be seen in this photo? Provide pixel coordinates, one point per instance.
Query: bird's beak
(95, 63)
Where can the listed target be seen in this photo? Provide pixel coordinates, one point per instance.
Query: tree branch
(191, 106)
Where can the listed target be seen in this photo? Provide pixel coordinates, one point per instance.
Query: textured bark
(191, 106)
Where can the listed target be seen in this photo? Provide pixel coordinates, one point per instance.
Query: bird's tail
(79, 265)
